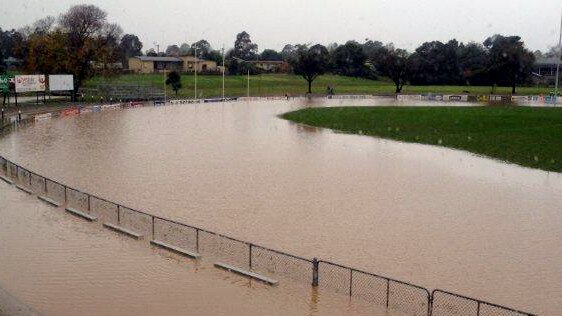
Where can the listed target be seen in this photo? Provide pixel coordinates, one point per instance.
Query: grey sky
(274, 23)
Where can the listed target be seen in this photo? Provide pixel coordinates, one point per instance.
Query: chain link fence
(394, 294)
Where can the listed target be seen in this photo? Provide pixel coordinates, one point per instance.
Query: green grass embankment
(530, 137)
(278, 84)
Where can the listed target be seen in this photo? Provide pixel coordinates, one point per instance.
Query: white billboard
(30, 83)
(61, 82)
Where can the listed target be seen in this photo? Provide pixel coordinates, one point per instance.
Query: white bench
(78, 213)
(246, 273)
(175, 249)
(49, 200)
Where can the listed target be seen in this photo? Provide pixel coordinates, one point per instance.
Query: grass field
(529, 137)
(260, 85)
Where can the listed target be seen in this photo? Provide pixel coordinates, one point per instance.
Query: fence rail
(380, 290)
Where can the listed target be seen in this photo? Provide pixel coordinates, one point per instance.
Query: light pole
(223, 70)
(245, 61)
(558, 65)
(196, 64)
(157, 48)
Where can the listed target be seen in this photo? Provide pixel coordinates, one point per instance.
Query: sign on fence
(4, 83)
(30, 83)
(61, 82)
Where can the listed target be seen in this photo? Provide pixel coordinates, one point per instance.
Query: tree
(436, 63)
(174, 79)
(311, 63)
(130, 46)
(270, 54)
(151, 52)
(185, 49)
(396, 64)
(86, 28)
(203, 48)
(350, 59)
(244, 48)
(289, 53)
(173, 50)
(509, 61)
(216, 56)
(472, 60)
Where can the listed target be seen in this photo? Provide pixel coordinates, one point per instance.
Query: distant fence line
(380, 290)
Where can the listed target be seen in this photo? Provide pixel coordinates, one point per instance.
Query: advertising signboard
(4, 83)
(30, 83)
(61, 82)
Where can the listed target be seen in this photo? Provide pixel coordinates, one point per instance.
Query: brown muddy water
(432, 216)
(59, 265)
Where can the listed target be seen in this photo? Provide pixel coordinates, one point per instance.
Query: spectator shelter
(149, 64)
(545, 70)
(272, 66)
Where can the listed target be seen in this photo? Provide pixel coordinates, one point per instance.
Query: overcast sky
(274, 23)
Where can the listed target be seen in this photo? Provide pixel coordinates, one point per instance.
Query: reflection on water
(433, 216)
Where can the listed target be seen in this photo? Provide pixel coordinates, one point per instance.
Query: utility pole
(558, 65)
(248, 63)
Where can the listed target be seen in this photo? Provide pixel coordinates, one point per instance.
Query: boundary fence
(380, 290)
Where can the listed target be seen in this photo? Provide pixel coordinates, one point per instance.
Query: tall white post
(196, 64)
(558, 66)
(223, 70)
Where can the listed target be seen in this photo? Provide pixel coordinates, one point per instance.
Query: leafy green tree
(436, 63)
(173, 50)
(185, 49)
(244, 48)
(396, 64)
(289, 53)
(203, 49)
(270, 54)
(350, 60)
(509, 61)
(130, 46)
(472, 60)
(174, 79)
(216, 56)
(311, 63)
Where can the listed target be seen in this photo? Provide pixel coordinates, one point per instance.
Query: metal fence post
(153, 232)
(350, 281)
(250, 255)
(118, 214)
(197, 239)
(478, 310)
(315, 272)
(387, 292)
(45, 186)
(89, 204)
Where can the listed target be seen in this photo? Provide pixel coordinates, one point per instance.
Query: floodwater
(431, 216)
(57, 264)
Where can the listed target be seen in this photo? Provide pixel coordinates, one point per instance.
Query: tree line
(82, 42)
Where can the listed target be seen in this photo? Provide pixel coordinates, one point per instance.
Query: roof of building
(268, 61)
(547, 61)
(151, 58)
